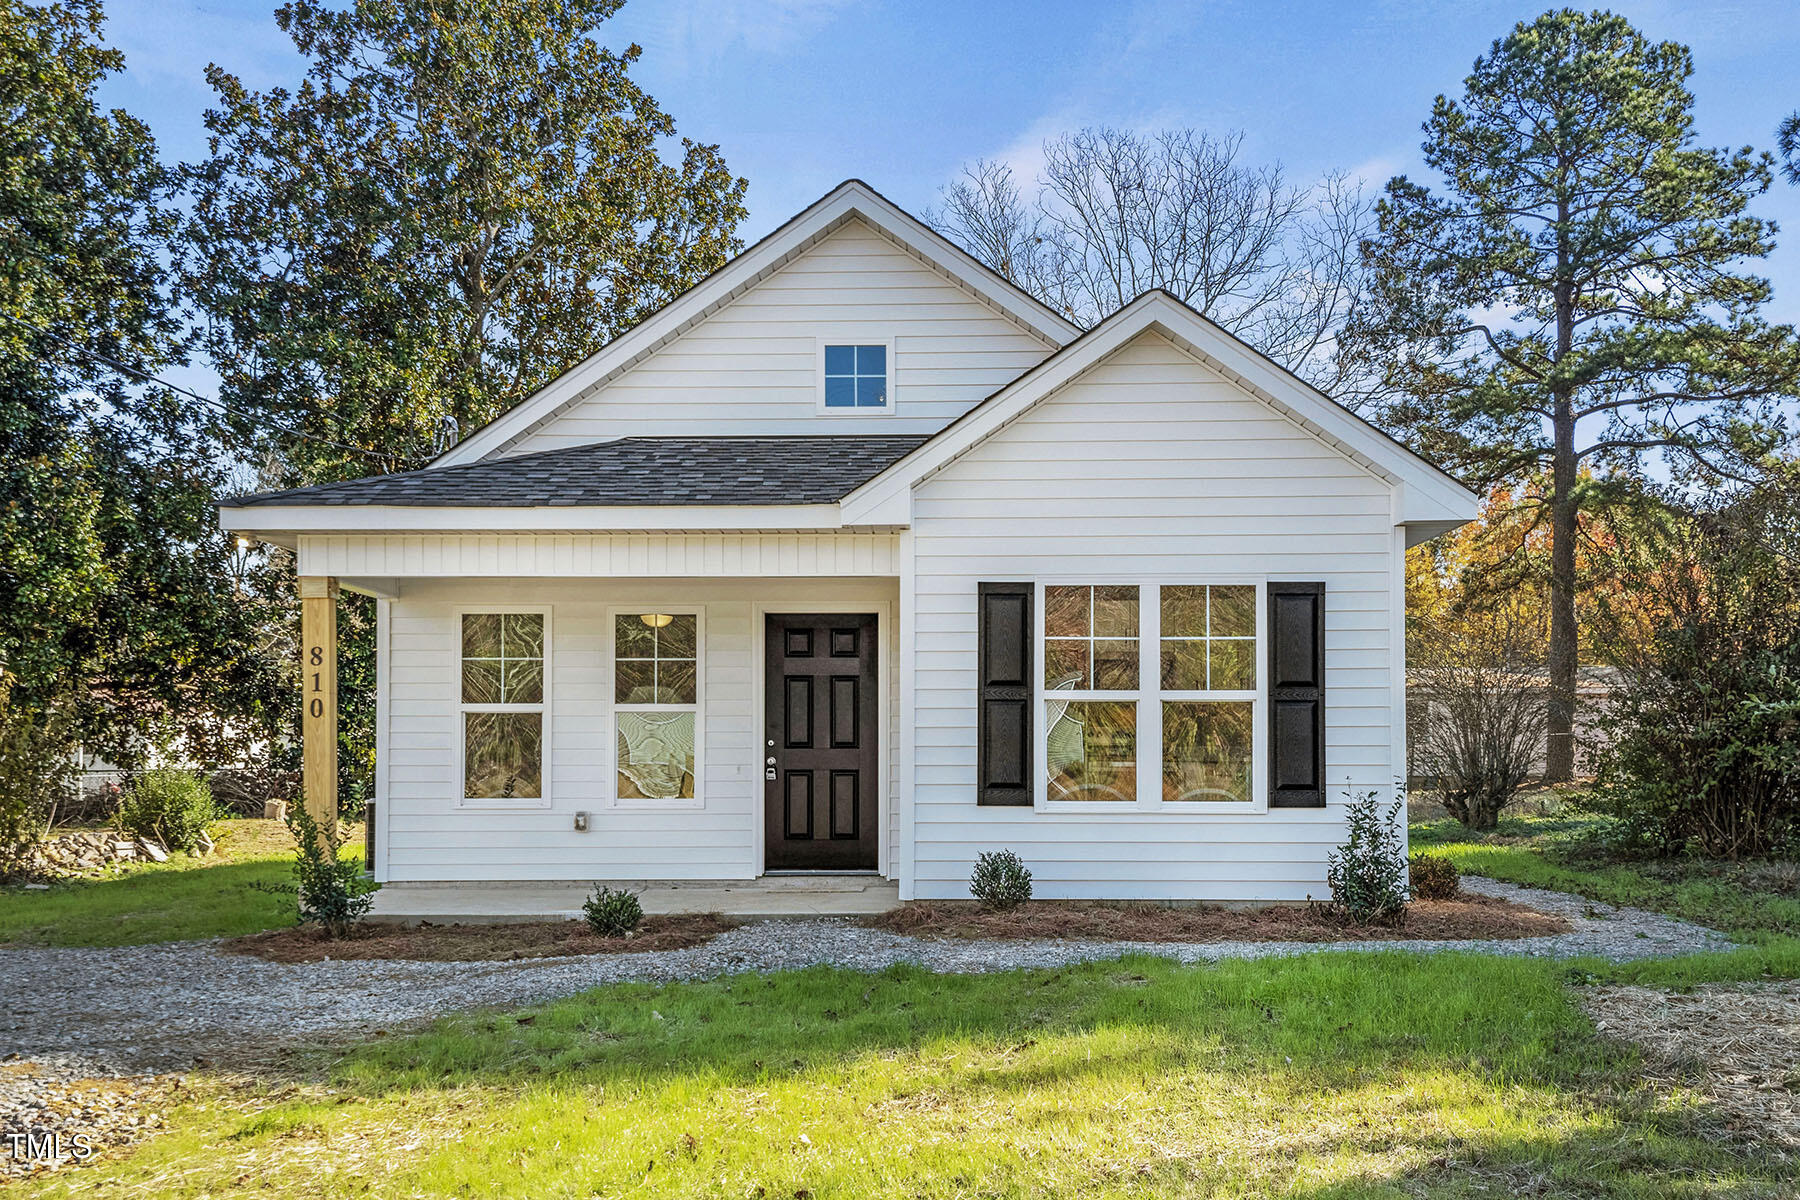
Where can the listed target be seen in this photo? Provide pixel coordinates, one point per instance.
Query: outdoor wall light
(580, 822)
(655, 620)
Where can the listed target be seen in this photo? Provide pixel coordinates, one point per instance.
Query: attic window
(855, 378)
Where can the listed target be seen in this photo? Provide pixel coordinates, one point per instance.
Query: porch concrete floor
(771, 896)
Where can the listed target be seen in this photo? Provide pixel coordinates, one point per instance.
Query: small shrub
(1475, 708)
(1000, 880)
(1367, 873)
(169, 806)
(612, 912)
(333, 892)
(1435, 877)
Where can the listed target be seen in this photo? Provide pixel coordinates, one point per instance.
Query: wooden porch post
(319, 711)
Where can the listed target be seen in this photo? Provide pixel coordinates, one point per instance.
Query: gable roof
(1425, 496)
(851, 200)
(638, 471)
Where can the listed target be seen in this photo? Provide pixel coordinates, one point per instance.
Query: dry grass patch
(1426, 920)
(1738, 1044)
(480, 943)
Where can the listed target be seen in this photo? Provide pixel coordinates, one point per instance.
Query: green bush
(1703, 745)
(169, 806)
(612, 912)
(333, 892)
(1000, 880)
(1367, 874)
(1434, 877)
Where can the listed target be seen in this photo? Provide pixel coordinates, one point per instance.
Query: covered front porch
(682, 735)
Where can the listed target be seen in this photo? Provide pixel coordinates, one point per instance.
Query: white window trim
(478, 803)
(614, 708)
(852, 339)
(1149, 699)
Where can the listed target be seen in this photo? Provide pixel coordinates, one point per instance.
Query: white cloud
(693, 34)
(1375, 172)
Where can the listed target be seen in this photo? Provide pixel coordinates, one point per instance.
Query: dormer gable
(852, 318)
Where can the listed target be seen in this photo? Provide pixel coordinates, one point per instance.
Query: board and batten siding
(561, 556)
(429, 835)
(751, 368)
(1149, 465)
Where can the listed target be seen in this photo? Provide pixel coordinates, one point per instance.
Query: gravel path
(185, 1004)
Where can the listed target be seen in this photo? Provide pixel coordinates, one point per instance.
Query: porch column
(319, 705)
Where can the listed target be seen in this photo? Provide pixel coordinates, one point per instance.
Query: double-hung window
(505, 674)
(1151, 695)
(1208, 694)
(1091, 695)
(656, 707)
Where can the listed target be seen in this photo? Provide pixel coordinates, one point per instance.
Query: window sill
(656, 805)
(1106, 808)
(467, 805)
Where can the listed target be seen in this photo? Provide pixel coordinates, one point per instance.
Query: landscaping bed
(1468, 917)
(479, 943)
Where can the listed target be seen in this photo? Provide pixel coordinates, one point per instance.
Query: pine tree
(1571, 303)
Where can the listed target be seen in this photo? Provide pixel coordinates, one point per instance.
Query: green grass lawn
(164, 902)
(1334, 1075)
(1757, 903)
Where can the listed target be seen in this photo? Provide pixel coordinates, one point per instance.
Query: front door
(820, 752)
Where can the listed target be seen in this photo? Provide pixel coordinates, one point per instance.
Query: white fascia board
(273, 522)
(853, 198)
(1422, 492)
(382, 587)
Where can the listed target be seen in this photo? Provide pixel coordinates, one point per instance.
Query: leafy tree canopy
(116, 604)
(461, 200)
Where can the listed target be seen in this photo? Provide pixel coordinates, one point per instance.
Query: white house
(853, 558)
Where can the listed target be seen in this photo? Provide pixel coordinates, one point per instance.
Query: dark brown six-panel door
(821, 753)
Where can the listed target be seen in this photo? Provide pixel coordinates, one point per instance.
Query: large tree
(462, 199)
(1570, 304)
(117, 602)
(1114, 213)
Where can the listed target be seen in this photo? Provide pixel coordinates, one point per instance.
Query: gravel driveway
(175, 1006)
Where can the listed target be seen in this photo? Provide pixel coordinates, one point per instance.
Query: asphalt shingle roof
(629, 471)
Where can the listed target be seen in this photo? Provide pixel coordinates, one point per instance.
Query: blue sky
(803, 93)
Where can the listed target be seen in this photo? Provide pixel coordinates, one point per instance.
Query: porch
(533, 900)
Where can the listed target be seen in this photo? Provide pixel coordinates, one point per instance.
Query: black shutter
(1296, 695)
(1003, 725)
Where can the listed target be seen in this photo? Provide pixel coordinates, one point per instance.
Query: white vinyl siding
(1149, 467)
(753, 366)
(428, 835)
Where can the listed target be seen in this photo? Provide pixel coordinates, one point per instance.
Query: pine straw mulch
(1426, 920)
(479, 943)
(1736, 1044)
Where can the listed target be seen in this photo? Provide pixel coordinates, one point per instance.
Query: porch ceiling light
(655, 620)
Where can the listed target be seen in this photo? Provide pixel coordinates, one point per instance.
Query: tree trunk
(1559, 703)
(1559, 712)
